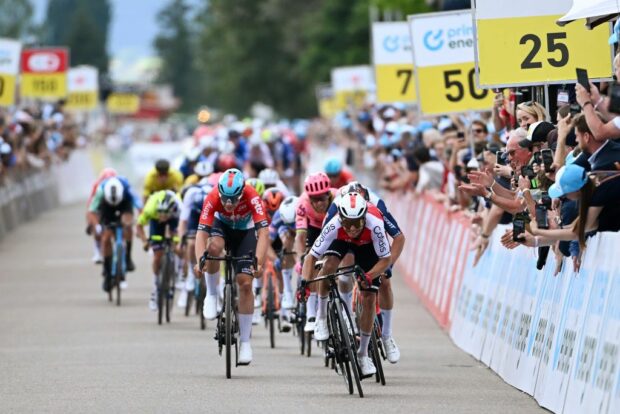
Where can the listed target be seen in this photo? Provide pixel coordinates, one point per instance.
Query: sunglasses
(232, 200)
(351, 224)
(477, 131)
(319, 199)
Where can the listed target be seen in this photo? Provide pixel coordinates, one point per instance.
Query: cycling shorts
(158, 228)
(365, 257)
(110, 214)
(241, 242)
(312, 233)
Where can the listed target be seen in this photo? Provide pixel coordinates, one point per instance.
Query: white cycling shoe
(321, 333)
(123, 284)
(97, 258)
(287, 300)
(310, 325)
(209, 309)
(182, 301)
(366, 366)
(257, 316)
(245, 353)
(391, 349)
(190, 284)
(153, 302)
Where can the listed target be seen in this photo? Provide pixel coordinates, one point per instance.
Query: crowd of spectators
(557, 182)
(33, 137)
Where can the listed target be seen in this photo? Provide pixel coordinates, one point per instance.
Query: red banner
(45, 60)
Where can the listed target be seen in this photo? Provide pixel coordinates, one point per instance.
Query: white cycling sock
(321, 312)
(386, 315)
(364, 340)
(347, 298)
(212, 282)
(245, 327)
(311, 305)
(257, 283)
(287, 275)
(97, 247)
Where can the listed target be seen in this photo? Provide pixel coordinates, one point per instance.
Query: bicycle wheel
(308, 336)
(228, 326)
(190, 302)
(200, 299)
(168, 292)
(336, 342)
(118, 276)
(161, 293)
(376, 358)
(349, 344)
(270, 314)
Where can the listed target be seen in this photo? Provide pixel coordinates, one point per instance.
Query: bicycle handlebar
(342, 271)
(206, 256)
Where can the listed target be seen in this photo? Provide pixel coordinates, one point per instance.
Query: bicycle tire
(270, 314)
(109, 283)
(118, 276)
(308, 336)
(228, 327)
(336, 338)
(376, 358)
(200, 303)
(168, 292)
(349, 341)
(160, 290)
(190, 302)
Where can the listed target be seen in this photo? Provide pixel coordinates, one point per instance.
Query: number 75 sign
(443, 52)
(519, 43)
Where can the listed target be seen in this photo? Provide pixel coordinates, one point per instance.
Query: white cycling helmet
(352, 206)
(203, 168)
(113, 191)
(288, 209)
(269, 176)
(193, 154)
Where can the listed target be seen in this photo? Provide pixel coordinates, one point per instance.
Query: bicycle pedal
(363, 377)
(243, 363)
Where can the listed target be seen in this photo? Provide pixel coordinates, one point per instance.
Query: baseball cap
(389, 113)
(616, 33)
(569, 178)
(537, 132)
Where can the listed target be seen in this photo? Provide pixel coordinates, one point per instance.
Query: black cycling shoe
(106, 284)
(130, 266)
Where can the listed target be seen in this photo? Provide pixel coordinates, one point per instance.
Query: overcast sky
(131, 33)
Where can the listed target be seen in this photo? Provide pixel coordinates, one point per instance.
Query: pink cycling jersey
(306, 216)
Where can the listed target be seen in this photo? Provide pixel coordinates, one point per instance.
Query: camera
(528, 172)
(547, 159)
(545, 200)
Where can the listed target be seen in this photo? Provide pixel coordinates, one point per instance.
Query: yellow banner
(343, 99)
(82, 101)
(395, 83)
(7, 89)
(123, 103)
(530, 50)
(451, 88)
(327, 108)
(44, 86)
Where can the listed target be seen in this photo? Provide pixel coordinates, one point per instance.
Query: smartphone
(541, 216)
(528, 172)
(547, 159)
(518, 229)
(582, 78)
(500, 158)
(538, 158)
(545, 200)
(575, 109)
(614, 98)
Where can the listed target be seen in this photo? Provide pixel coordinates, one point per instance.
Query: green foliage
(404, 6)
(82, 25)
(15, 18)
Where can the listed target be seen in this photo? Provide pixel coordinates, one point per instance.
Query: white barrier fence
(555, 337)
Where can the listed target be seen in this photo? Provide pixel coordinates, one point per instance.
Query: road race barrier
(556, 337)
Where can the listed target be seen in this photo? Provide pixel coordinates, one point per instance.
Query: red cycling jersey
(343, 179)
(249, 213)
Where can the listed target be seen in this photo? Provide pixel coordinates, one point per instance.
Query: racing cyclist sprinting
(233, 212)
(359, 229)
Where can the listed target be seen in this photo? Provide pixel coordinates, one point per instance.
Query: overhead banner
(83, 88)
(519, 43)
(443, 52)
(123, 103)
(351, 85)
(9, 69)
(44, 73)
(393, 62)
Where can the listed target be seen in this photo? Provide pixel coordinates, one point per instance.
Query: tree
(174, 46)
(15, 18)
(80, 25)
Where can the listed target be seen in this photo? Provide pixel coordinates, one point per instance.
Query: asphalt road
(64, 348)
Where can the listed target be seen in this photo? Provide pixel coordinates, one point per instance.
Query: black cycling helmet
(162, 166)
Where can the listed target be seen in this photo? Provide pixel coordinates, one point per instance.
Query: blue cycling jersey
(278, 227)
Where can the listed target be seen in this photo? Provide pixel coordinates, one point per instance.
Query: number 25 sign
(519, 43)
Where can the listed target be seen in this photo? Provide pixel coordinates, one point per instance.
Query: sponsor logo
(44, 62)
(453, 38)
(392, 43)
(381, 238)
(258, 205)
(433, 41)
(326, 230)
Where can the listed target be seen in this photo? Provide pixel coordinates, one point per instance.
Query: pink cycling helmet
(317, 184)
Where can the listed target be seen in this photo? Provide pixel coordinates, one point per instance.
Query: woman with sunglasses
(358, 229)
(233, 212)
(311, 210)
(529, 113)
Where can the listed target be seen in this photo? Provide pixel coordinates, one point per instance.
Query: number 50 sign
(519, 43)
(443, 52)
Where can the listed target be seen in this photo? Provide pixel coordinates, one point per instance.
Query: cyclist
(359, 229)
(271, 179)
(114, 200)
(282, 235)
(338, 175)
(311, 210)
(91, 228)
(345, 286)
(161, 177)
(160, 211)
(233, 212)
(258, 185)
(193, 199)
(189, 162)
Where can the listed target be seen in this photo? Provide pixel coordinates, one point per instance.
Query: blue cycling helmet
(230, 185)
(333, 166)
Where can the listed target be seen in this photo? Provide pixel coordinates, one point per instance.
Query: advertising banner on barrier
(519, 43)
(351, 85)
(393, 62)
(443, 54)
(44, 73)
(9, 69)
(83, 88)
(123, 103)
